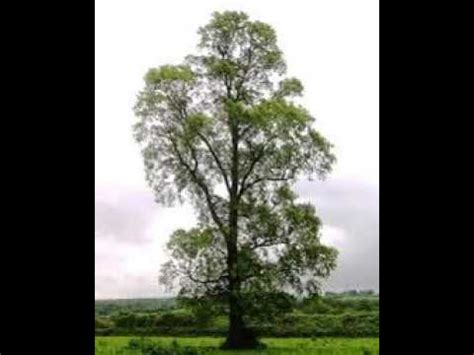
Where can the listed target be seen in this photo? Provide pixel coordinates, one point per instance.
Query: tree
(223, 131)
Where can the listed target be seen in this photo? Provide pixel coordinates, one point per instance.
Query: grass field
(275, 346)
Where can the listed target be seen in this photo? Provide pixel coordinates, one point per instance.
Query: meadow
(275, 346)
(333, 324)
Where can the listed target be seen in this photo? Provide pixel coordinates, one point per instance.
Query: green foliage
(289, 87)
(225, 120)
(168, 74)
(177, 318)
(109, 307)
(187, 244)
(204, 309)
(342, 315)
(148, 347)
(268, 308)
(102, 324)
(304, 325)
(132, 320)
(339, 303)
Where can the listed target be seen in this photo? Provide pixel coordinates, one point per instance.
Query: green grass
(275, 346)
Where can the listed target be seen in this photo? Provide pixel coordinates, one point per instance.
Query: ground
(275, 346)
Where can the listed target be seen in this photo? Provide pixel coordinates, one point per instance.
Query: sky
(332, 46)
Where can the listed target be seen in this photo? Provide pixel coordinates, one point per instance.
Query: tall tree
(223, 131)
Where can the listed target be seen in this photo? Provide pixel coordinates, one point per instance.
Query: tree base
(242, 341)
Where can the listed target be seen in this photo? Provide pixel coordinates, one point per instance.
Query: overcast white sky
(331, 45)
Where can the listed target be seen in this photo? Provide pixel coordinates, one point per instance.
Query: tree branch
(182, 112)
(266, 178)
(201, 184)
(249, 171)
(189, 275)
(216, 159)
(244, 75)
(257, 158)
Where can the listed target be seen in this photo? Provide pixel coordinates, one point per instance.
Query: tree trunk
(239, 336)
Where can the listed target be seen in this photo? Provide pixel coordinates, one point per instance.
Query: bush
(104, 331)
(101, 324)
(340, 315)
(178, 318)
(132, 320)
(304, 325)
(295, 324)
(146, 346)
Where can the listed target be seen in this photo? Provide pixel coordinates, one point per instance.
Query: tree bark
(239, 336)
